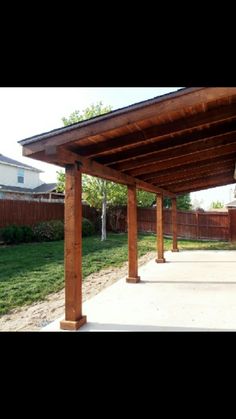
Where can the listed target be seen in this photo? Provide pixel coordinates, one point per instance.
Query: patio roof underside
(177, 143)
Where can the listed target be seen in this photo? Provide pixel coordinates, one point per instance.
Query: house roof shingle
(44, 188)
(14, 189)
(7, 160)
(231, 204)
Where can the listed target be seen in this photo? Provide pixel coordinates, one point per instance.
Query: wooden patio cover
(173, 144)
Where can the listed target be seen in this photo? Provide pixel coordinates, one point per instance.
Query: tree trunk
(104, 210)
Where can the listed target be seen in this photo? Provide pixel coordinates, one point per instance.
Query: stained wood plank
(204, 184)
(160, 229)
(223, 171)
(132, 236)
(159, 106)
(73, 250)
(177, 151)
(62, 157)
(198, 156)
(188, 168)
(140, 144)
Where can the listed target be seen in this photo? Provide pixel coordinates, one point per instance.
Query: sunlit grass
(29, 272)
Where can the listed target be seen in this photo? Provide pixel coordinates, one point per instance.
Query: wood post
(132, 236)
(160, 229)
(73, 250)
(174, 226)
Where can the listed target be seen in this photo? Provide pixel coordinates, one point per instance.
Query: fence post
(197, 225)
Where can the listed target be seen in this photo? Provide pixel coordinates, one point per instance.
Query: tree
(216, 205)
(103, 195)
(87, 113)
(183, 202)
(60, 181)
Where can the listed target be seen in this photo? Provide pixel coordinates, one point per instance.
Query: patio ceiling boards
(176, 143)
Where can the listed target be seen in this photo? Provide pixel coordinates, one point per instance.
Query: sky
(25, 112)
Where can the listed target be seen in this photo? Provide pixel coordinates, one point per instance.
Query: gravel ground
(38, 315)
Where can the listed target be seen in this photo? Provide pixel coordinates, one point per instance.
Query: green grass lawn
(29, 272)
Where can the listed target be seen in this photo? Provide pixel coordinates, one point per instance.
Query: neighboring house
(231, 204)
(21, 181)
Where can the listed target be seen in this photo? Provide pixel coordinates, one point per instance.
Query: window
(20, 176)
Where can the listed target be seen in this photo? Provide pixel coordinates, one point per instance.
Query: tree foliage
(116, 193)
(216, 205)
(87, 113)
(183, 202)
(60, 181)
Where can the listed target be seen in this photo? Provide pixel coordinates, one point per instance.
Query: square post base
(161, 260)
(175, 250)
(73, 325)
(133, 280)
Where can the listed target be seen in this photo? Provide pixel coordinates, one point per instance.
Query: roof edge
(112, 114)
(34, 169)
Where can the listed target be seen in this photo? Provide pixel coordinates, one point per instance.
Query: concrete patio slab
(192, 291)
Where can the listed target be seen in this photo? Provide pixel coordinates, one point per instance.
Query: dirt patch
(38, 315)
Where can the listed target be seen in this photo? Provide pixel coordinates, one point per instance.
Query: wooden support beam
(160, 229)
(162, 106)
(62, 157)
(223, 172)
(213, 162)
(174, 226)
(112, 148)
(197, 156)
(158, 143)
(176, 151)
(73, 250)
(207, 182)
(179, 175)
(132, 236)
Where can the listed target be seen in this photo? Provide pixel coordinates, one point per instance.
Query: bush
(49, 230)
(44, 231)
(88, 228)
(28, 235)
(58, 229)
(17, 234)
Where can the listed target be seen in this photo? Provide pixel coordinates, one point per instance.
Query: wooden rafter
(195, 173)
(206, 183)
(61, 157)
(175, 171)
(177, 151)
(197, 156)
(156, 133)
(154, 142)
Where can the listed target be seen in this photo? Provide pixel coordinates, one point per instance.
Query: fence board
(190, 224)
(29, 212)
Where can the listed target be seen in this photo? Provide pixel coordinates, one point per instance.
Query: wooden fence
(30, 212)
(192, 225)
